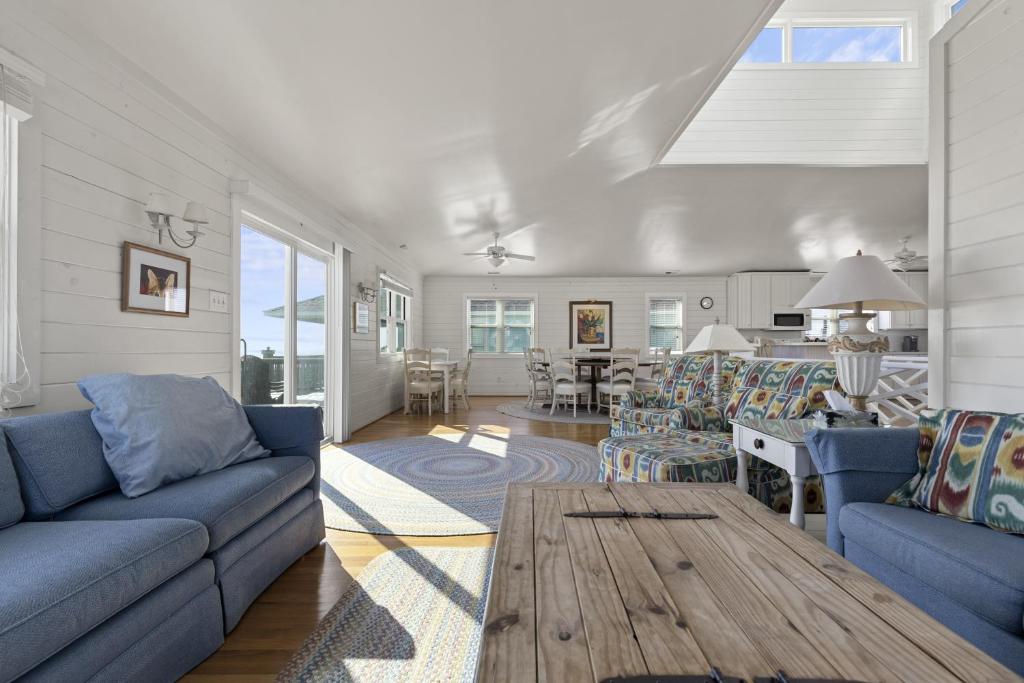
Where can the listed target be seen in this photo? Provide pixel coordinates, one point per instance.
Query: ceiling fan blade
(480, 253)
(521, 257)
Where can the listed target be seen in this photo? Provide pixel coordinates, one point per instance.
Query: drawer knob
(759, 443)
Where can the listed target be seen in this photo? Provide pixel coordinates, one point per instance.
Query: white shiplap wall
(836, 115)
(976, 232)
(444, 311)
(108, 138)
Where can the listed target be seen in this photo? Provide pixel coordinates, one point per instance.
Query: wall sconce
(159, 211)
(366, 294)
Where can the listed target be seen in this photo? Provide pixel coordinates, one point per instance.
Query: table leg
(796, 512)
(742, 463)
(447, 388)
(594, 374)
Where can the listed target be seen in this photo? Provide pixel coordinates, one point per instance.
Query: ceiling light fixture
(159, 211)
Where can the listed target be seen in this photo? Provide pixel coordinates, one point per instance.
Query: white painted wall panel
(445, 316)
(976, 233)
(834, 115)
(109, 137)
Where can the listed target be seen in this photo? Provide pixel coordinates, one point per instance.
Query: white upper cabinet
(908, 320)
(754, 297)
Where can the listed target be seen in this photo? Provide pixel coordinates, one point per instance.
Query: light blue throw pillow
(158, 429)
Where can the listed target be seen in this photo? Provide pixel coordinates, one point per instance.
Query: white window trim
(499, 297)
(681, 297)
(909, 22)
(391, 356)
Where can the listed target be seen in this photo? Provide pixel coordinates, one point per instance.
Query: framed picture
(361, 317)
(590, 325)
(155, 281)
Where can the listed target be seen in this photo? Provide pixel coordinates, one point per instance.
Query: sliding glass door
(284, 316)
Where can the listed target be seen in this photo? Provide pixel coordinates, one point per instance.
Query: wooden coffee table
(580, 599)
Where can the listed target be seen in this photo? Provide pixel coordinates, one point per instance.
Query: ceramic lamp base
(858, 353)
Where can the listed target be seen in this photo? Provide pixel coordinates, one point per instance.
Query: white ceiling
(429, 122)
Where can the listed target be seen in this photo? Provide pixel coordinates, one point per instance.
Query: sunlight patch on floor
(487, 444)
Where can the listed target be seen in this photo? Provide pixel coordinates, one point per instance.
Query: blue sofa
(967, 576)
(97, 586)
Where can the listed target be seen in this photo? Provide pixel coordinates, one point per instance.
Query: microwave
(789, 320)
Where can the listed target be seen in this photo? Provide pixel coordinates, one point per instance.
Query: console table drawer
(763, 447)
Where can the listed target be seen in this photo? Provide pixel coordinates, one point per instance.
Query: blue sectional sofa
(967, 576)
(97, 586)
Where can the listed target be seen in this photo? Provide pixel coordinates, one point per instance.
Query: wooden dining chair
(538, 373)
(458, 381)
(420, 382)
(660, 360)
(621, 377)
(566, 385)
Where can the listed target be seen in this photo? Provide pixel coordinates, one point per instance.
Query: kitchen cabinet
(754, 297)
(908, 320)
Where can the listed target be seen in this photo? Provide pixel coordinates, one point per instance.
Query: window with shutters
(500, 325)
(665, 324)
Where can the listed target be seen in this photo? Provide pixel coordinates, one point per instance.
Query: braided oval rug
(448, 485)
(413, 614)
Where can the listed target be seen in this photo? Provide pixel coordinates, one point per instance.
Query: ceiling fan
(496, 254)
(905, 259)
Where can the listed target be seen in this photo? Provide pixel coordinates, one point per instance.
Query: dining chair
(621, 376)
(458, 382)
(566, 384)
(420, 382)
(538, 373)
(660, 361)
(440, 354)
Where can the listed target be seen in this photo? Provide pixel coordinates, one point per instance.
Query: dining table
(596, 365)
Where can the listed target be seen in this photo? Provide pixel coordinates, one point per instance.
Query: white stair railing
(902, 391)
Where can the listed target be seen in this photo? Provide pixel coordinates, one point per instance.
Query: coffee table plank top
(579, 599)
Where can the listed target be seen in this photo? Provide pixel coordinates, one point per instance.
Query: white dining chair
(458, 383)
(621, 377)
(660, 361)
(538, 374)
(566, 385)
(420, 382)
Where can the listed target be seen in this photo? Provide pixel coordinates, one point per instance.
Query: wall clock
(706, 302)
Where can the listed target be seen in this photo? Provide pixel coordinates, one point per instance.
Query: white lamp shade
(861, 279)
(158, 204)
(718, 337)
(195, 213)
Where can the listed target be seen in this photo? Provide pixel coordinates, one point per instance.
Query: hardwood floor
(279, 621)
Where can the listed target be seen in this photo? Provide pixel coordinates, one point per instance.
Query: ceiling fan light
(496, 261)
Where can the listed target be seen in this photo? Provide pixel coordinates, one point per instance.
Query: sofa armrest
(639, 399)
(861, 466)
(699, 416)
(290, 430)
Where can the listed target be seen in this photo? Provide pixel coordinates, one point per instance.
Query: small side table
(781, 443)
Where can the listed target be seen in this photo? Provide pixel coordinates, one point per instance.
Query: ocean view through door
(284, 318)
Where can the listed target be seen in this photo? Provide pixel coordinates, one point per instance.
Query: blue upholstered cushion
(59, 460)
(58, 580)
(158, 429)
(11, 507)
(226, 502)
(977, 567)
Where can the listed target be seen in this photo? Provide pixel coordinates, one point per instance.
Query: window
(766, 48)
(830, 42)
(395, 316)
(500, 325)
(825, 322)
(956, 6)
(665, 324)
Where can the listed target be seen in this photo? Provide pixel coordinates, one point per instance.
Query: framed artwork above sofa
(590, 325)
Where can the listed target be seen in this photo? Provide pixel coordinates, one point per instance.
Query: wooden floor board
(280, 619)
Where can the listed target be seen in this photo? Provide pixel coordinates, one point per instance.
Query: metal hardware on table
(618, 514)
(759, 443)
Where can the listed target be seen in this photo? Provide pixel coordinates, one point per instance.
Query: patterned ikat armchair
(655, 437)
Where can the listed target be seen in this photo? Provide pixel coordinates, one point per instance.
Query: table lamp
(719, 339)
(859, 282)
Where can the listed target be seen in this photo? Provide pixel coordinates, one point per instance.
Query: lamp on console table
(719, 339)
(859, 282)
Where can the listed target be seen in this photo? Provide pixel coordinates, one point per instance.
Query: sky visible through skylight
(825, 44)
